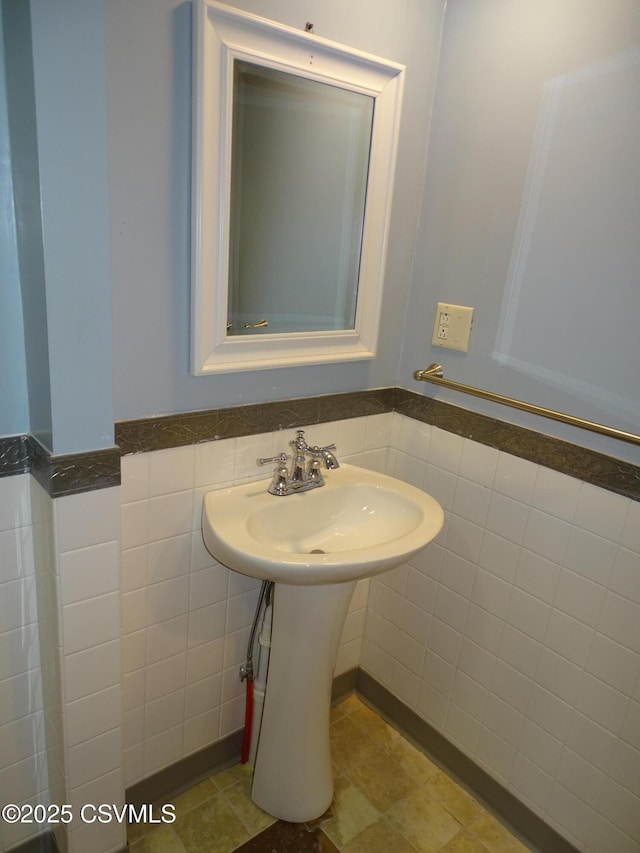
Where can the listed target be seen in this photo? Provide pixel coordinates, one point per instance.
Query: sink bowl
(360, 523)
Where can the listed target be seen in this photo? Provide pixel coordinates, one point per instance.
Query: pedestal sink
(314, 545)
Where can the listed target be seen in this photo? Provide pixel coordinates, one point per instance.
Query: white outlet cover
(452, 326)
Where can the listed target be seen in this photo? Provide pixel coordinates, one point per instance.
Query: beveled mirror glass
(293, 162)
(299, 165)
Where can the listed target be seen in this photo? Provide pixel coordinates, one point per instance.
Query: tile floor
(389, 798)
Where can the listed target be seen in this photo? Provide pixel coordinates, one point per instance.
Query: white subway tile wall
(84, 604)
(23, 757)
(516, 633)
(60, 669)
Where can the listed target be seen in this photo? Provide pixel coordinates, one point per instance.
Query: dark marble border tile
(80, 472)
(72, 473)
(175, 430)
(14, 455)
(481, 785)
(607, 472)
(166, 431)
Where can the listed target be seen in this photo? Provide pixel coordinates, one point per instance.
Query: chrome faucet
(304, 474)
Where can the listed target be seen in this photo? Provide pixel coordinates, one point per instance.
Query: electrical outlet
(452, 326)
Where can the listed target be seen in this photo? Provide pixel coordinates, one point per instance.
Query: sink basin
(360, 523)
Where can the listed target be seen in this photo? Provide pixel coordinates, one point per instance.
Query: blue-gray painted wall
(112, 103)
(541, 96)
(71, 114)
(14, 408)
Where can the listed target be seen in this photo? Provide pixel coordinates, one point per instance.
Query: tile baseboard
(188, 771)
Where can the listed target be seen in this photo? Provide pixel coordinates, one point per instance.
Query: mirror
(299, 165)
(293, 163)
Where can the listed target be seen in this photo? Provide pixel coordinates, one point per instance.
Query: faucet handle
(299, 442)
(280, 483)
(318, 451)
(279, 457)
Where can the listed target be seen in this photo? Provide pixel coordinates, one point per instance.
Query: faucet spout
(330, 461)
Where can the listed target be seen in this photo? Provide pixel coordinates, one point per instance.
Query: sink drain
(317, 551)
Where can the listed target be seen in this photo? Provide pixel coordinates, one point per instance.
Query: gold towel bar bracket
(435, 374)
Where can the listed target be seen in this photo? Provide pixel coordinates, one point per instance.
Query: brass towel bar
(435, 375)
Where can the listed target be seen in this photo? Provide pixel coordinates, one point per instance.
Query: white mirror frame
(221, 35)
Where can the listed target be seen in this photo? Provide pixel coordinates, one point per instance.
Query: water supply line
(260, 680)
(248, 721)
(246, 671)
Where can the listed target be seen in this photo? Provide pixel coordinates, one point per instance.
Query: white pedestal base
(293, 778)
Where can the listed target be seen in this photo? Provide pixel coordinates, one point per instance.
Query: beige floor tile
(352, 812)
(373, 725)
(411, 759)
(382, 780)
(376, 770)
(423, 822)
(231, 775)
(239, 797)
(137, 831)
(454, 798)
(379, 837)
(495, 837)
(336, 713)
(212, 827)
(163, 840)
(350, 704)
(464, 842)
(349, 744)
(193, 797)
